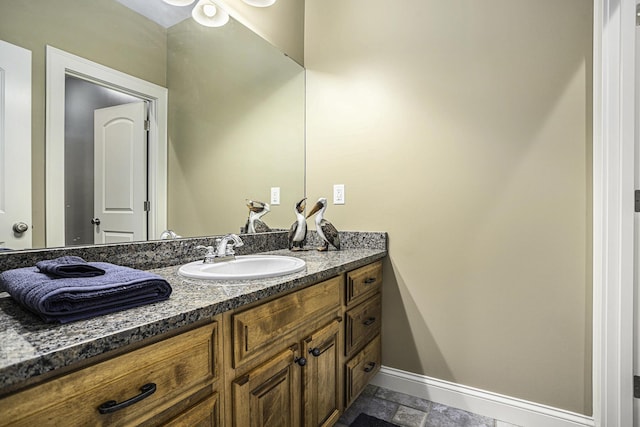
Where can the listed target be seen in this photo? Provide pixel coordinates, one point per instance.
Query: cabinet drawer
(361, 369)
(363, 282)
(204, 414)
(256, 328)
(362, 323)
(175, 366)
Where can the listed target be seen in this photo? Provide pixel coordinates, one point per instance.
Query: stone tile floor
(410, 411)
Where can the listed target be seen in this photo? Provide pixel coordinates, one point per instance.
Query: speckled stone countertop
(29, 347)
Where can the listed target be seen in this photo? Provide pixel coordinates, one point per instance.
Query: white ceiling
(159, 11)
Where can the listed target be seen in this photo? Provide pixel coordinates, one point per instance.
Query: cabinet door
(269, 395)
(321, 376)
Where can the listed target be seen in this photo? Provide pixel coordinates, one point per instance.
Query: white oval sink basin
(244, 267)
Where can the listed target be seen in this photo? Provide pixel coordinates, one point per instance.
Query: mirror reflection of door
(120, 154)
(15, 147)
(82, 98)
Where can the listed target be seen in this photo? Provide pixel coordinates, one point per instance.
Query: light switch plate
(338, 194)
(275, 195)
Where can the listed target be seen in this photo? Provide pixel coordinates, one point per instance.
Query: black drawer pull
(369, 280)
(113, 406)
(369, 321)
(369, 367)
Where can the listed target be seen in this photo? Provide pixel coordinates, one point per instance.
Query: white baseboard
(503, 408)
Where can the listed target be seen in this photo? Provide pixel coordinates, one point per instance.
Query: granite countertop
(30, 347)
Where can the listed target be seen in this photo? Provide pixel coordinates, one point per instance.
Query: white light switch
(275, 195)
(338, 194)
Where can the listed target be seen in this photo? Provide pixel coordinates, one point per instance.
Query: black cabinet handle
(369, 367)
(369, 321)
(315, 352)
(300, 361)
(369, 280)
(113, 406)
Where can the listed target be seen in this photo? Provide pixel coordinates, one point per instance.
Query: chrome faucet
(225, 245)
(169, 234)
(223, 250)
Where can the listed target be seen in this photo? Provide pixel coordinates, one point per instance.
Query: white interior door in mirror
(15, 147)
(120, 173)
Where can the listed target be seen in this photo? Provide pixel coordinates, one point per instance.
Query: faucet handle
(210, 255)
(229, 249)
(233, 241)
(237, 240)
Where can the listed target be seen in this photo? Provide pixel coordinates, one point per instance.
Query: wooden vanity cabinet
(285, 358)
(301, 358)
(173, 382)
(363, 317)
(293, 360)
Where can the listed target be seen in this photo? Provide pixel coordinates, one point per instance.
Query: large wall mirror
(235, 115)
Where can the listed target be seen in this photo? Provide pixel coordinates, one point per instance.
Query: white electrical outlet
(275, 195)
(338, 194)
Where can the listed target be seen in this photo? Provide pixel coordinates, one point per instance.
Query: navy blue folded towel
(66, 300)
(69, 266)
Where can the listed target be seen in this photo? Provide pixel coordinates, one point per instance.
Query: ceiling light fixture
(209, 14)
(179, 2)
(260, 3)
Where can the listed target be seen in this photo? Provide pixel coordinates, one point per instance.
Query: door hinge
(147, 205)
(147, 125)
(637, 194)
(638, 15)
(636, 386)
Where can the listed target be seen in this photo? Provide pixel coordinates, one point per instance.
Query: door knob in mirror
(20, 227)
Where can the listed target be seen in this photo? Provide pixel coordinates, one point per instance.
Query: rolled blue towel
(69, 266)
(66, 300)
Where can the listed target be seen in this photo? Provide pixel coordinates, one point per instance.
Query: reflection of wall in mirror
(236, 128)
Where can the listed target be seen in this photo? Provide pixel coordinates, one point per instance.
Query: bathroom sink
(244, 267)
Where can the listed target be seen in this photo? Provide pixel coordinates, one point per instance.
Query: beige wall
(462, 128)
(103, 31)
(236, 128)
